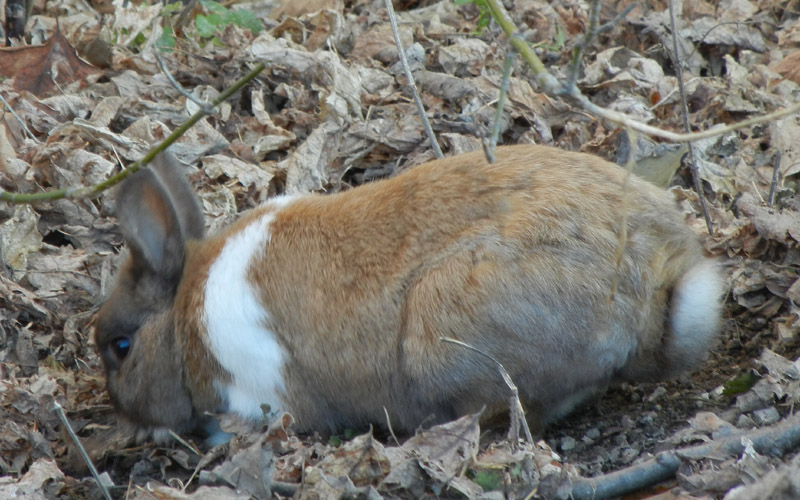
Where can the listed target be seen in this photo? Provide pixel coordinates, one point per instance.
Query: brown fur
(516, 258)
(361, 285)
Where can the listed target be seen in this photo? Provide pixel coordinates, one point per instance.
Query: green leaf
(489, 479)
(170, 8)
(247, 20)
(206, 25)
(560, 37)
(740, 384)
(214, 7)
(484, 17)
(219, 17)
(167, 40)
(140, 40)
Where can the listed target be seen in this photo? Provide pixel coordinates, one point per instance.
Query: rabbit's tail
(694, 318)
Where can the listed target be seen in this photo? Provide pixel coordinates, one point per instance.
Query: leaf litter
(332, 111)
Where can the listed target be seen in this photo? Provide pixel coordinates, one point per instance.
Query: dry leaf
(39, 69)
(19, 237)
(35, 484)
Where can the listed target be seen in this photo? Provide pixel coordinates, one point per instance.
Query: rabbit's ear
(169, 171)
(151, 227)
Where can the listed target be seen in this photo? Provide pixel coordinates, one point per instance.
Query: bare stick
(389, 426)
(206, 107)
(182, 441)
(183, 17)
(501, 103)
(676, 61)
(63, 417)
(517, 408)
(87, 192)
(633, 148)
(552, 86)
(619, 17)
(774, 440)
(591, 33)
(775, 175)
(20, 120)
(417, 99)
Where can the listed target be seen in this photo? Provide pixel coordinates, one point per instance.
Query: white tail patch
(235, 323)
(696, 309)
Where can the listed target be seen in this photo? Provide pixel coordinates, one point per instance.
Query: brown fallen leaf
(41, 477)
(772, 223)
(789, 66)
(38, 68)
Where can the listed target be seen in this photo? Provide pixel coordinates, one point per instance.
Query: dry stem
(87, 192)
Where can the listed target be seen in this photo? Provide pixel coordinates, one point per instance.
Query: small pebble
(567, 443)
(745, 422)
(657, 394)
(593, 433)
(629, 455)
(749, 401)
(766, 416)
(647, 418)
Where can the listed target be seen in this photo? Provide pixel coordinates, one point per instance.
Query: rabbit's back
(523, 259)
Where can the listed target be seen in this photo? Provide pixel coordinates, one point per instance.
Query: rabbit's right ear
(150, 225)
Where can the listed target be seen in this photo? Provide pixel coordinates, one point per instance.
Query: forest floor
(331, 111)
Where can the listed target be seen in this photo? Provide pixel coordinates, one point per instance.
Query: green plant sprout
(219, 17)
(484, 17)
(215, 20)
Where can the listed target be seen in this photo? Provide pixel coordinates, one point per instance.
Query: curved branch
(549, 84)
(87, 192)
(775, 440)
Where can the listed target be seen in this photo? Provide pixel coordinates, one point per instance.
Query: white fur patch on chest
(235, 321)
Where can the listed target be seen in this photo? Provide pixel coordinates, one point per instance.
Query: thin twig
(501, 103)
(676, 60)
(549, 84)
(185, 443)
(389, 426)
(206, 107)
(411, 83)
(86, 192)
(183, 17)
(619, 17)
(666, 97)
(506, 378)
(588, 38)
(775, 441)
(622, 242)
(775, 175)
(20, 120)
(63, 417)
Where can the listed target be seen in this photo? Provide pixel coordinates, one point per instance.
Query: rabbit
(333, 307)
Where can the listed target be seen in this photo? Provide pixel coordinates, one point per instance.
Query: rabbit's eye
(121, 347)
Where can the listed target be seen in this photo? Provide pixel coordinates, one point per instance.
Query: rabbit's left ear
(150, 226)
(169, 171)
